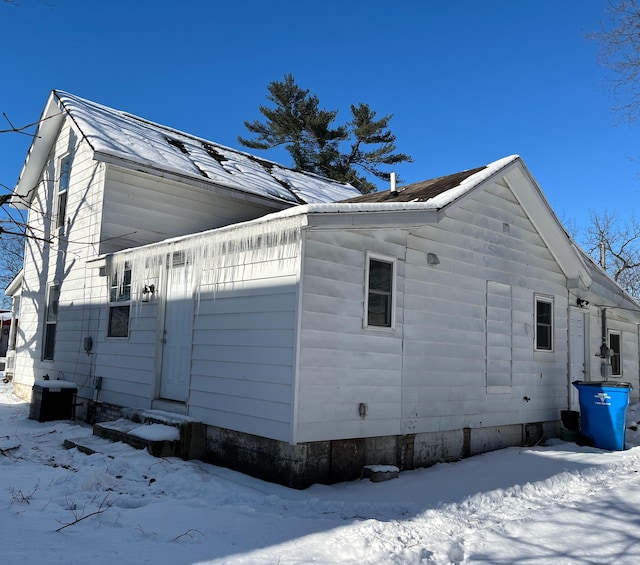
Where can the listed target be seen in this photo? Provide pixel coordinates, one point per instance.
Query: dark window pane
(379, 310)
(544, 337)
(380, 274)
(614, 344)
(544, 324)
(49, 341)
(544, 312)
(380, 286)
(119, 321)
(62, 208)
(52, 304)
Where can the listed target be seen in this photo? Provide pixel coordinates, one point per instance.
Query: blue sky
(468, 82)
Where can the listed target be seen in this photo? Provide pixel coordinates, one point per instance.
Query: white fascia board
(44, 138)
(373, 219)
(15, 284)
(228, 191)
(532, 200)
(97, 262)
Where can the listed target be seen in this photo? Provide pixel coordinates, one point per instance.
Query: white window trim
(620, 353)
(385, 259)
(548, 300)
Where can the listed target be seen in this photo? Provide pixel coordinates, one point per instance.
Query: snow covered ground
(555, 504)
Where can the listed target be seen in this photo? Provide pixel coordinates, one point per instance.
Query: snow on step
(156, 432)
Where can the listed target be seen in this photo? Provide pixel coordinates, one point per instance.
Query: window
(380, 290)
(63, 188)
(119, 304)
(50, 322)
(615, 344)
(544, 324)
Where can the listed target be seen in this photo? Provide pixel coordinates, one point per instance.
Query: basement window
(544, 323)
(380, 291)
(120, 304)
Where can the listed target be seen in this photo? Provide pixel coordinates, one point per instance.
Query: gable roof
(430, 201)
(130, 141)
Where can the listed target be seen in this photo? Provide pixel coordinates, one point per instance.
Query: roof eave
(526, 190)
(15, 284)
(239, 194)
(43, 140)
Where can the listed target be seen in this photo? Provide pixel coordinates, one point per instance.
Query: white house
(312, 330)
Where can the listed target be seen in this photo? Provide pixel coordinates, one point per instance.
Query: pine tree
(345, 153)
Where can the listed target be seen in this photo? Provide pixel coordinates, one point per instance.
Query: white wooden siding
(63, 261)
(141, 209)
(341, 363)
(430, 373)
(243, 354)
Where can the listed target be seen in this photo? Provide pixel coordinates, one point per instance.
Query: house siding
(243, 338)
(60, 258)
(243, 354)
(342, 364)
(140, 209)
(429, 373)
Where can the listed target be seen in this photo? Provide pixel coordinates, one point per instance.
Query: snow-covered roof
(114, 134)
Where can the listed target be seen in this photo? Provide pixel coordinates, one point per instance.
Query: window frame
(119, 300)
(50, 323)
(539, 299)
(62, 192)
(615, 354)
(391, 294)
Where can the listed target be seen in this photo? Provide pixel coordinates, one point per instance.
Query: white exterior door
(577, 367)
(178, 325)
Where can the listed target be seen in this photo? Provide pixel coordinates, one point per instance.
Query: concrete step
(159, 440)
(162, 434)
(90, 444)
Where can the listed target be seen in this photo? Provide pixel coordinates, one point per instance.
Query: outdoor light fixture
(432, 259)
(147, 291)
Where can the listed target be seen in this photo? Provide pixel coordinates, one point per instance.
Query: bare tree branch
(620, 53)
(615, 245)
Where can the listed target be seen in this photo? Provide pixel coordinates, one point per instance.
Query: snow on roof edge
(471, 182)
(275, 181)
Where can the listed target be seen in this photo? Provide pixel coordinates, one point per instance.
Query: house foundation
(326, 462)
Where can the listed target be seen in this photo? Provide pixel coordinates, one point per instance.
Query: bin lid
(54, 384)
(610, 384)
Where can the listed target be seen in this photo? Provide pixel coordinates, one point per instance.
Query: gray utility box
(52, 400)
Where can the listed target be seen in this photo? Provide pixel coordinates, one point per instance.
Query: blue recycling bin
(603, 411)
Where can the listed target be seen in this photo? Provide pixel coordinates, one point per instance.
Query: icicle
(216, 257)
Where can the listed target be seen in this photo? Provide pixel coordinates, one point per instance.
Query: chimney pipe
(393, 182)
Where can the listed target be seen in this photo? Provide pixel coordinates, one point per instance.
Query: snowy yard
(555, 504)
